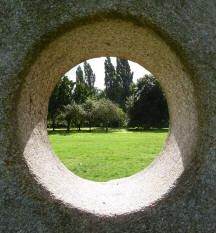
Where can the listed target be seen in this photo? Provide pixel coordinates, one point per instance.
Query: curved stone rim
(126, 195)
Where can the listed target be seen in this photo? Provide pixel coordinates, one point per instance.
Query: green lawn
(101, 156)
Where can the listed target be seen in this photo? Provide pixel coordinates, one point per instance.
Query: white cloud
(97, 65)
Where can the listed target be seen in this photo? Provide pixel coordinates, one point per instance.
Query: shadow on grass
(102, 130)
(74, 131)
(163, 130)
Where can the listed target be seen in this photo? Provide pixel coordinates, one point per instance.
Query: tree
(65, 91)
(89, 76)
(99, 94)
(81, 91)
(54, 106)
(129, 103)
(106, 112)
(73, 113)
(125, 80)
(118, 82)
(110, 81)
(90, 107)
(79, 75)
(149, 107)
(61, 95)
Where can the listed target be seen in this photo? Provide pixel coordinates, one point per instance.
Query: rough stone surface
(39, 42)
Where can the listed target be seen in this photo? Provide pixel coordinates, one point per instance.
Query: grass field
(101, 156)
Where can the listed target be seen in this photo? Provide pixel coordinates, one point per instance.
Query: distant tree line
(93, 113)
(122, 102)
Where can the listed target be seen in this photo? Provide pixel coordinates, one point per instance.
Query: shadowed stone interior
(39, 42)
(125, 195)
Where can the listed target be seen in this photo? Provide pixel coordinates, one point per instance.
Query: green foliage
(79, 75)
(99, 94)
(129, 103)
(65, 91)
(148, 107)
(61, 96)
(84, 84)
(118, 82)
(110, 81)
(144, 101)
(81, 93)
(125, 80)
(73, 113)
(90, 107)
(89, 76)
(107, 112)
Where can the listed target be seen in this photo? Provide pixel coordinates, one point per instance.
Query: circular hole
(144, 189)
(107, 119)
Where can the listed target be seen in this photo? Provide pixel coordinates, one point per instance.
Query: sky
(97, 65)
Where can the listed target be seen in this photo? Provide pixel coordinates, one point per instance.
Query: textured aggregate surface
(39, 42)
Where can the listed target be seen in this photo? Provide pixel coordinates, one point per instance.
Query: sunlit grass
(101, 156)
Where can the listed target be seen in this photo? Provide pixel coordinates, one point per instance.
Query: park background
(111, 126)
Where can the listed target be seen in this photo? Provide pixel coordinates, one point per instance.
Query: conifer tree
(89, 75)
(111, 84)
(81, 91)
(124, 79)
(79, 75)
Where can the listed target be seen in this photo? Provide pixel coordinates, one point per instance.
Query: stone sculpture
(39, 42)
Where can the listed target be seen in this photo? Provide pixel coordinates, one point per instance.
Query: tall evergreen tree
(111, 84)
(81, 91)
(89, 75)
(65, 91)
(79, 75)
(118, 81)
(124, 79)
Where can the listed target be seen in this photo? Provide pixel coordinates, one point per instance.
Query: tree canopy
(89, 76)
(73, 113)
(125, 80)
(107, 112)
(61, 96)
(149, 107)
(142, 104)
(118, 81)
(79, 75)
(110, 81)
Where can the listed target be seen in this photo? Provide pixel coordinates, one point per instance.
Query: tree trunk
(106, 127)
(53, 125)
(90, 127)
(68, 126)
